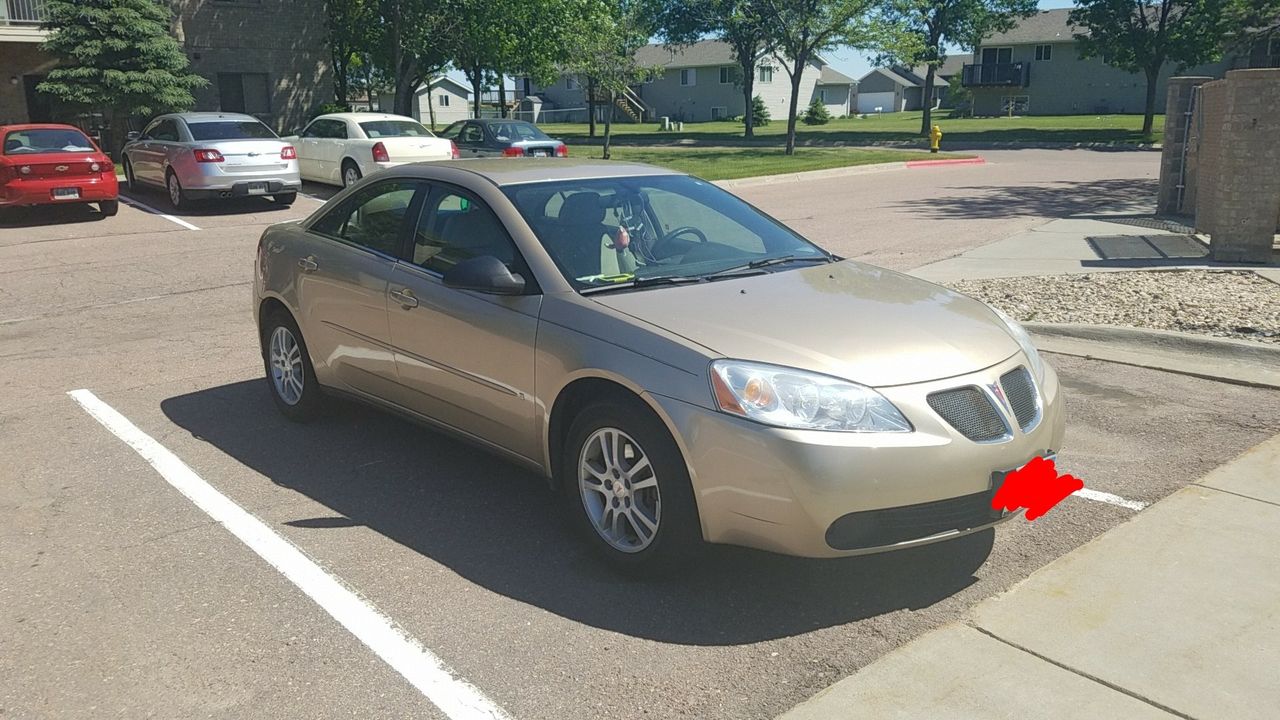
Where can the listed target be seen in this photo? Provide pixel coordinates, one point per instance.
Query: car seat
(584, 243)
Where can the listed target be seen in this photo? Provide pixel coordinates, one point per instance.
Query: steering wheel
(683, 230)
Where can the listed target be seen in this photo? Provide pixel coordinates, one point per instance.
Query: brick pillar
(1176, 122)
(1242, 145)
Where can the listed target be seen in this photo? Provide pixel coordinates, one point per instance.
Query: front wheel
(290, 375)
(627, 489)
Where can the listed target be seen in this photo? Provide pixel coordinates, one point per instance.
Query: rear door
(160, 140)
(342, 285)
(333, 148)
(309, 151)
(465, 358)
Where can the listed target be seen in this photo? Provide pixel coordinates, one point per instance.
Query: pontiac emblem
(61, 168)
(999, 393)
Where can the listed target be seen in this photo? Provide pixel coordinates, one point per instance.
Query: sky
(855, 64)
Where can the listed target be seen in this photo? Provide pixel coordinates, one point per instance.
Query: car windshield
(394, 128)
(516, 132)
(230, 130)
(627, 232)
(48, 140)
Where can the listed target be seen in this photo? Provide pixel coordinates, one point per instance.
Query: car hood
(854, 321)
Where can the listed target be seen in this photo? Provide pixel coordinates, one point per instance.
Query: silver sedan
(197, 156)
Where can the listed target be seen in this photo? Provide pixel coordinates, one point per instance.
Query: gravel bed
(1233, 303)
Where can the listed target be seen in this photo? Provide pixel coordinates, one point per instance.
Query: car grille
(1021, 394)
(873, 528)
(969, 410)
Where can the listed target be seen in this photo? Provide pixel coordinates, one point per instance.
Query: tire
(293, 386)
(285, 199)
(350, 173)
(177, 197)
(130, 181)
(109, 208)
(662, 493)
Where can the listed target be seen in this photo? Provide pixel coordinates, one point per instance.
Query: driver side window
(456, 226)
(373, 218)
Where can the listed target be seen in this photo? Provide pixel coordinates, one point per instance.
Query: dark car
(503, 138)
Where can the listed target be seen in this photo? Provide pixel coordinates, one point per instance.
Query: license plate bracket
(257, 188)
(66, 193)
(998, 477)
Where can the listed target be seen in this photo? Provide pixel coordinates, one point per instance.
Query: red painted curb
(932, 163)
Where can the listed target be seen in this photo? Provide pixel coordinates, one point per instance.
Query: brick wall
(18, 60)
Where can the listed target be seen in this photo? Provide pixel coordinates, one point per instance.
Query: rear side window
(372, 218)
(230, 130)
(55, 140)
(165, 130)
(516, 132)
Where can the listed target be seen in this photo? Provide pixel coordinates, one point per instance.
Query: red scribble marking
(1036, 486)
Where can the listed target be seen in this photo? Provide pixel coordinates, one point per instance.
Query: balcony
(20, 21)
(996, 75)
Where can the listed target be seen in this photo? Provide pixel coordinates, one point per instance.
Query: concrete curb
(1239, 362)
(841, 172)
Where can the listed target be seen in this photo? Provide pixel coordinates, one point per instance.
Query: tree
(759, 112)
(117, 56)
(959, 97)
(805, 28)
(352, 30)
(414, 42)
(1145, 35)
(602, 47)
(739, 23)
(816, 114)
(917, 32)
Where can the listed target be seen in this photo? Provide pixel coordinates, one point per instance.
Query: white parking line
(457, 698)
(153, 211)
(1108, 498)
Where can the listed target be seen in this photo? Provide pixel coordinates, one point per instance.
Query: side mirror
(132, 135)
(486, 274)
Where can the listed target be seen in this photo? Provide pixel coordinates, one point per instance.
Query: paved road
(122, 599)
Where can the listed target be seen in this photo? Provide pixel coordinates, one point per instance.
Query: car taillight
(380, 153)
(288, 153)
(453, 150)
(562, 151)
(208, 156)
(512, 152)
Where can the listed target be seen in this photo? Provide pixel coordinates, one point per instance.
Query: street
(123, 599)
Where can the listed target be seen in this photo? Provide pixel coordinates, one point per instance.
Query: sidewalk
(1174, 614)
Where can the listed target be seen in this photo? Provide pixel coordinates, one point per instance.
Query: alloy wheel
(350, 176)
(175, 190)
(619, 490)
(287, 374)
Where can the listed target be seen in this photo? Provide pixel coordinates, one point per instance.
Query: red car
(55, 165)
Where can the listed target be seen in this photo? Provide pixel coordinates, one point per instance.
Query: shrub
(759, 112)
(816, 114)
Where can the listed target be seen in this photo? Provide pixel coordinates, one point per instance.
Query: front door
(471, 140)
(465, 358)
(342, 286)
(309, 152)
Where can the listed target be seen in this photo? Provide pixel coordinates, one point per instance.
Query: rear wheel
(290, 376)
(627, 489)
(177, 198)
(285, 198)
(108, 208)
(350, 174)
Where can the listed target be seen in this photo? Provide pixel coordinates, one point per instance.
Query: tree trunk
(748, 68)
(116, 131)
(431, 103)
(476, 76)
(608, 124)
(926, 121)
(591, 107)
(796, 77)
(1148, 118)
(502, 95)
(341, 78)
(406, 79)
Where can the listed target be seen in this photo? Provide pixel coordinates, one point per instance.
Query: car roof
(363, 116)
(520, 171)
(495, 121)
(199, 117)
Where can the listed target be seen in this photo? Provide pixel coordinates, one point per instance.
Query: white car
(341, 148)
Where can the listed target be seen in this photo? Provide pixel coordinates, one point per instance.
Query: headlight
(791, 398)
(1020, 334)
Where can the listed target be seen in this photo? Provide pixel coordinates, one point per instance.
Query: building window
(244, 93)
(443, 101)
(719, 113)
(689, 77)
(822, 96)
(571, 83)
(728, 75)
(766, 73)
(993, 56)
(1044, 52)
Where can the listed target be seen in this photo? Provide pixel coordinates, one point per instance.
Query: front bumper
(793, 491)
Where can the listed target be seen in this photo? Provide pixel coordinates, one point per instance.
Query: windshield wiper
(737, 270)
(642, 282)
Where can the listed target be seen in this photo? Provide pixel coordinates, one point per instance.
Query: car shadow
(499, 526)
(41, 215)
(1048, 199)
(206, 208)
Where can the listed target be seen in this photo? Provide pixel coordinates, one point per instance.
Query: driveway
(121, 597)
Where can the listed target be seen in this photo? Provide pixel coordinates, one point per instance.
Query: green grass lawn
(729, 163)
(891, 127)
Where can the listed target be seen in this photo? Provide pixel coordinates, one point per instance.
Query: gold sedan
(680, 366)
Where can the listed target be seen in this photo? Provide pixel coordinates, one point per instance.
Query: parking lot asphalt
(121, 598)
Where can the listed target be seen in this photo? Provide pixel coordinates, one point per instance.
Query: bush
(759, 112)
(327, 108)
(816, 114)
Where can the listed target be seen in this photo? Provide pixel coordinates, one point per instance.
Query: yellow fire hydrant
(935, 139)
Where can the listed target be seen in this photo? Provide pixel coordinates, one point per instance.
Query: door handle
(308, 264)
(405, 298)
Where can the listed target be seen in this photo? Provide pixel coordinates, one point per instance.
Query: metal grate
(969, 411)
(873, 528)
(1021, 394)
